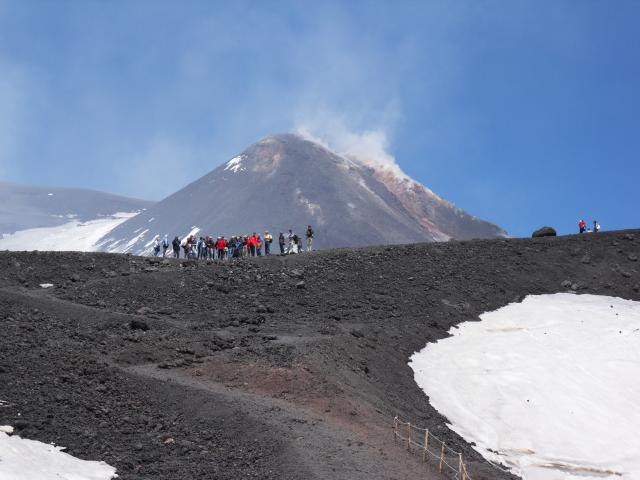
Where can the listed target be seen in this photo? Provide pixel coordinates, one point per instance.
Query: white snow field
(548, 387)
(70, 236)
(32, 460)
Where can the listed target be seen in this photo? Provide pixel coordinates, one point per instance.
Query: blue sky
(521, 112)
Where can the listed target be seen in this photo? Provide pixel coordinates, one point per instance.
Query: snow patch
(6, 429)
(46, 285)
(32, 460)
(235, 164)
(130, 244)
(313, 208)
(70, 236)
(547, 387)
(364, 185)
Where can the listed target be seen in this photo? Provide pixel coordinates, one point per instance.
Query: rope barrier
(422, 441)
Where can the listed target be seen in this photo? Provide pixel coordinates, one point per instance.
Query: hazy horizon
(518, 113)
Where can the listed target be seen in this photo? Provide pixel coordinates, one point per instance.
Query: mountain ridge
(288, 181)
(35, 206)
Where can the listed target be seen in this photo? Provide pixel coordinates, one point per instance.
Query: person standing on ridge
(176, 247)
(252, 242)
(201, 248)
(156, 246)
(281, 242)
(596, 226)
(165, 245)
(292, 240)
(231, 247)
(268, 238)
(221, 244)
(295, 248)
(309, 238)
(187, 247)
(582, 226)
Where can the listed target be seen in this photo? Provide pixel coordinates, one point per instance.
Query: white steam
(368, 147)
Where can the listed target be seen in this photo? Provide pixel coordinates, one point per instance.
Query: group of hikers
(582, 226)
(238, 246)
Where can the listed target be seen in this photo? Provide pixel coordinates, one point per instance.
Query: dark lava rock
(544, 232)
(296, 273)
(356, 333)
(144, 311)
(85, 377)
(21, 424)
(136, 324)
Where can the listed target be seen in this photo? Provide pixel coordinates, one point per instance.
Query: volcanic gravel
(275, 367)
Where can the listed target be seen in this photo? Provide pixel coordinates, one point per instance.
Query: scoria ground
(279, 367)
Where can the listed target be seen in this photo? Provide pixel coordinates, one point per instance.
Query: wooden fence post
(409, 436)
(395, 429)
(426, 445)
(441, 458)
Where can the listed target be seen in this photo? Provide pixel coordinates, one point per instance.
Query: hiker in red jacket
(221, 244)
(582, 226)
(252, 243)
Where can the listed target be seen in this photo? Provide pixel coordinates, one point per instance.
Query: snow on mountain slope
(25, 206)
(73, 235)
(548, 387)
(32, 460)
(51, 218)
(287, 181)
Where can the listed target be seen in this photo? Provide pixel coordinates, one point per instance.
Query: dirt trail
(325, 446)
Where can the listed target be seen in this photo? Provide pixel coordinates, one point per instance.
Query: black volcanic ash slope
(272, 368)
(286, 181)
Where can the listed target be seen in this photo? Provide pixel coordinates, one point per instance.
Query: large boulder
(544, 232)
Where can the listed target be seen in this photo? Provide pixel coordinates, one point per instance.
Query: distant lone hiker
(596, 226)
(582, 226)
(309, 238)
